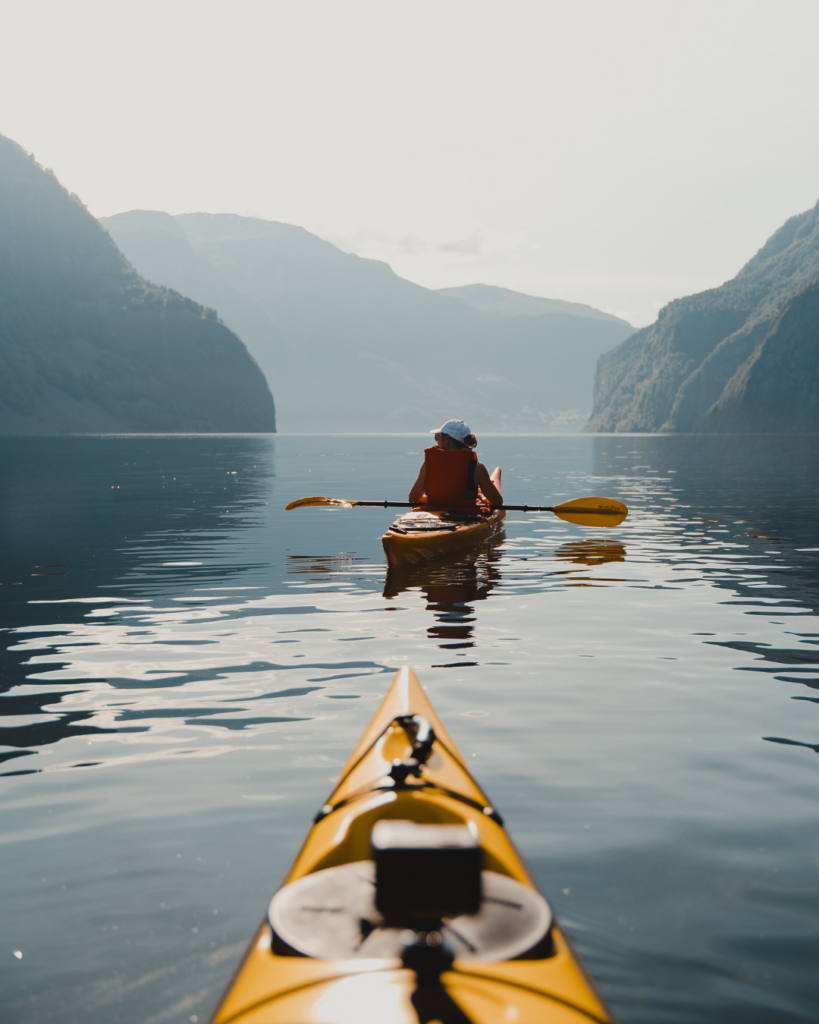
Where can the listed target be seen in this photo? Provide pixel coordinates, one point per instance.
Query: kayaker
(451, 476)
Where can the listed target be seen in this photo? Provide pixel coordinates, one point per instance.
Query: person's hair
(470, 441)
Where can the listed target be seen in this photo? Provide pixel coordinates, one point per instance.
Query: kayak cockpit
(420, 878)
(425, 895)
(423, 521)
(408, 902)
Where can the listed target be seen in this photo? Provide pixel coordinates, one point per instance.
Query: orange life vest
(450, 477)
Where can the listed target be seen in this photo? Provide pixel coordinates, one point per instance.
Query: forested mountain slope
(353, 347)
(741, 357)
(87, 345)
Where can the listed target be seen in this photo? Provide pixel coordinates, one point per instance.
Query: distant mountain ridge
(741, 357)
(88, 346)
(489, 298)
(350, 346)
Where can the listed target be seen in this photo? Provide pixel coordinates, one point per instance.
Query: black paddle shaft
(508, 508)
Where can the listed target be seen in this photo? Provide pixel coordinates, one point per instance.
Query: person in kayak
(451, 476)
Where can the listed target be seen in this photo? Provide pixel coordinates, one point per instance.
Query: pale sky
(616, 152)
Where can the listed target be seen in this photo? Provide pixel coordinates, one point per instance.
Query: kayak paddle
(581, 511)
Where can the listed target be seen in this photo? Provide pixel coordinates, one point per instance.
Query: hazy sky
(615, 152)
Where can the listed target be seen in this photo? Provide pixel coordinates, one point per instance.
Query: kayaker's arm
(484, 481)
(417, 488)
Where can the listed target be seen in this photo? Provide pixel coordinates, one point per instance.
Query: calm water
(185, 667)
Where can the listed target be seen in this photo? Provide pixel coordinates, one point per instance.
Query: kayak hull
(548, 986)
(423, 535)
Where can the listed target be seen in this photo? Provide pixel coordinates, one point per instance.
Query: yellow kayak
(408, 903)
(422, 535)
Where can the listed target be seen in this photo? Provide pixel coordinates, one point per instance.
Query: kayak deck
(368, 981)
(422, 534)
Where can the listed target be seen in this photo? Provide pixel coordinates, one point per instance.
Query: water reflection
(170, 522)
(205, 659)
(317, 565)
(84, 517)
(450, 586)
(739, 513)
(591, 552)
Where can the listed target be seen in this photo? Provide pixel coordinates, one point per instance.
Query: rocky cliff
(741, 357)
(87, 345)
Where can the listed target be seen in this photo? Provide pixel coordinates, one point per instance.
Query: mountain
(503, 302)
(353, 347)
(741, 357)
(89, 346)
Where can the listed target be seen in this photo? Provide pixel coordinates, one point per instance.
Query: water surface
(185, 667)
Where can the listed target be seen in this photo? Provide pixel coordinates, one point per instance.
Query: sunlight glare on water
(186, 667)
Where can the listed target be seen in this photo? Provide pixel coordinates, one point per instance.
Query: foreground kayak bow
(408, 902)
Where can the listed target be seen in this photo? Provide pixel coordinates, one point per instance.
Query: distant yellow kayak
(421, 535)
(408, 903)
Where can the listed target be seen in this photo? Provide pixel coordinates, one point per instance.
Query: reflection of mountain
(122, 504)
(732, 506)
(348, 345)
(742, 518)
(87, 345)
(449, 587)
(759, 493)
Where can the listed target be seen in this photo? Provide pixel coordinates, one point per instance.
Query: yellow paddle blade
(592, 512)
(301, 502)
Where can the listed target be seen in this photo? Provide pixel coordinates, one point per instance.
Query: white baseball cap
(455, 428)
